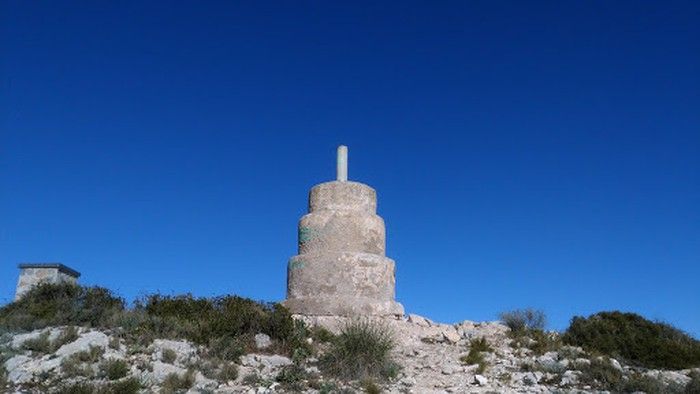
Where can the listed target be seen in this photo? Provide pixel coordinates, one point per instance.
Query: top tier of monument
(341, 268)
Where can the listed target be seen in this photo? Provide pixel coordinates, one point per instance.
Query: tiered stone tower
(341, 268)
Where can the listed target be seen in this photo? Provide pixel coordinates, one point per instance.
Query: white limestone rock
(84, 342)
(184, 351)
(451, 335)
(419, 320)
(480, 380)
(262, 341)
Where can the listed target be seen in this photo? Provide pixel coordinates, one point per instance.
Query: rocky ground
(432, 356)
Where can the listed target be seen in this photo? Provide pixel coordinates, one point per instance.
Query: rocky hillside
(71, 339)
(431, 358)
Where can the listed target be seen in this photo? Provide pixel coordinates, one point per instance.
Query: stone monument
(341, 268)
(32, 274)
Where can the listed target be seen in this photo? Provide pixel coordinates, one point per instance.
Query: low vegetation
(227, 372)
(601, 374)
(114, 369)
(43, 344)
(175, 383)
(126, 386)
(370, 387)
(40, 344)
(527, 330)
(634, 339)
(361, 351)
(228, 323)
(60, 305)
(523, 320)
(693, 387)
(3, 377)
(168, 356)
(475, 356)
(72, 367)
(293, 378)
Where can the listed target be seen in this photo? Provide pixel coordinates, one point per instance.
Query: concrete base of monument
(341, 284)
(345, 306)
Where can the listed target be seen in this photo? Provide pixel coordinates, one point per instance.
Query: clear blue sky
(542, 154)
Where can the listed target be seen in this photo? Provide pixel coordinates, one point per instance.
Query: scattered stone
(570, 378)
(451, 335)
(84, 342)
(615, 364)
(480, 380)
(262, 341)
(419, 320)
(161, 370)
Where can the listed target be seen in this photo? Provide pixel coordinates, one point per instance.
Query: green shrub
(114, 343)
(251, 379)
(114, 369)
(40, 344)
(362, 350)
(78, 388)
(693, 387)
(475, 357)
(68, 335)
(520, 320)
(370, 387)
(292, 377)
(174, 383)
(543, 342)
(480, 345)
(127, 386)
(72, 367)
(202, 320)
(321, 334)
(228, 371)
(60, 305)
(3, 377)
(634, 339)
(601, 374)
(92, 355)
(226, 348)
(637, 382)
(168, 356)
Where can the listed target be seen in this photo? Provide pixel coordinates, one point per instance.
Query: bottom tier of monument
(341, 284)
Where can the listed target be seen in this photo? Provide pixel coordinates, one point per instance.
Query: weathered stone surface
(419, 320)
(480, 380)
(184, 351)
(84, 343)
(451, 335)
(18, 340)
(32, 274)
(262, 341)
(341, 268)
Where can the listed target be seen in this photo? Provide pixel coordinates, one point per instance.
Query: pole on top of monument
(342, 168)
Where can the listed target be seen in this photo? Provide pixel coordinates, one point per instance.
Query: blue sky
(539, 154)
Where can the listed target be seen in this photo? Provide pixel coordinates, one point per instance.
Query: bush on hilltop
(636, 340)
(60, 305)
(362, 350)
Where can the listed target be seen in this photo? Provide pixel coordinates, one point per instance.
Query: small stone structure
(31, 274)
(341, 268)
